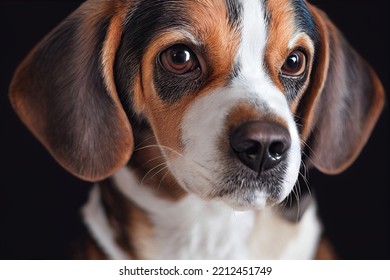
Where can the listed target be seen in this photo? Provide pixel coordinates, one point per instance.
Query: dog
(195, 120)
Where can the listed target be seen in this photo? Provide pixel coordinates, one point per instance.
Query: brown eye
(295, 64)
(179, 59)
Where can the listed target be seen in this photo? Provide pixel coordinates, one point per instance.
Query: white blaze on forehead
(253, 39)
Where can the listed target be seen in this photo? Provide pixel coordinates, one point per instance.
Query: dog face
(233, 91)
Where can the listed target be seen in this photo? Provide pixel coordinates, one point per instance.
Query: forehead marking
(253, 39)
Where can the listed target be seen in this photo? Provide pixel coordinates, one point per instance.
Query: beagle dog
(195, 119)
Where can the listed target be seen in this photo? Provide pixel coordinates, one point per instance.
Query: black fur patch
(304, 20)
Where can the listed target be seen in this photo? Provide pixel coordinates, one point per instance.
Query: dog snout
(260, 145)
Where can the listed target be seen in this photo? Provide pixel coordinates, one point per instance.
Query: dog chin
(256, 201)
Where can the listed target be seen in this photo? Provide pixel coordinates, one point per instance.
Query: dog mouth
(244, 189)
(249, 190)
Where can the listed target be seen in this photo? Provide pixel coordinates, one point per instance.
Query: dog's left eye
(179, 59)
(295, 64)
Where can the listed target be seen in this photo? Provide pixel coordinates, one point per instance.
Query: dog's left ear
(64, 92)
(342, 103)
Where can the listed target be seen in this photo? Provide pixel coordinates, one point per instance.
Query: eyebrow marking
(303, 19)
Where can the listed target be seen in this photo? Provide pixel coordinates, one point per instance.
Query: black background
(39, 201)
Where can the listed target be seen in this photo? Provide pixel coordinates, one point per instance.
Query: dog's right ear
(64, 92)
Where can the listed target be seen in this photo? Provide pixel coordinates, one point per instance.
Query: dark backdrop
(39, 201)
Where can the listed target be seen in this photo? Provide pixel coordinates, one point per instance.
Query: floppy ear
(64, 92)
(343, 101)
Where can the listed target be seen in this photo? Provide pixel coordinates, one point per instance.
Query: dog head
(233, 91)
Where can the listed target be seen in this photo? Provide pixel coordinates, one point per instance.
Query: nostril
(252, 149)
(277, 149)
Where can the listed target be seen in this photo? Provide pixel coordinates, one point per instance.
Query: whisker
(174, 151)
(315, 155)
(143, 141)
(284, 204)
(162, 179)
(304, 178)
(305, 155)
(163, 168)
(298, 205)
(158, 146)
(153, 159)
(298, 190)
(147, 173)
(287, 202)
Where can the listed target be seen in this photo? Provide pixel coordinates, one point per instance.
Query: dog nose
(260, 145)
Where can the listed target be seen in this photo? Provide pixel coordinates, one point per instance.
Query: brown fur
(149, 165)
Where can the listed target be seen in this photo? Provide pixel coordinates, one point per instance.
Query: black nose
(260, 145)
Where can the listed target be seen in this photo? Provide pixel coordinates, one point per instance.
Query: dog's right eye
(179, 59)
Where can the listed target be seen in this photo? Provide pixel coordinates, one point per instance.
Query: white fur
(192, 228)
(99, 227)
(277, 238)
